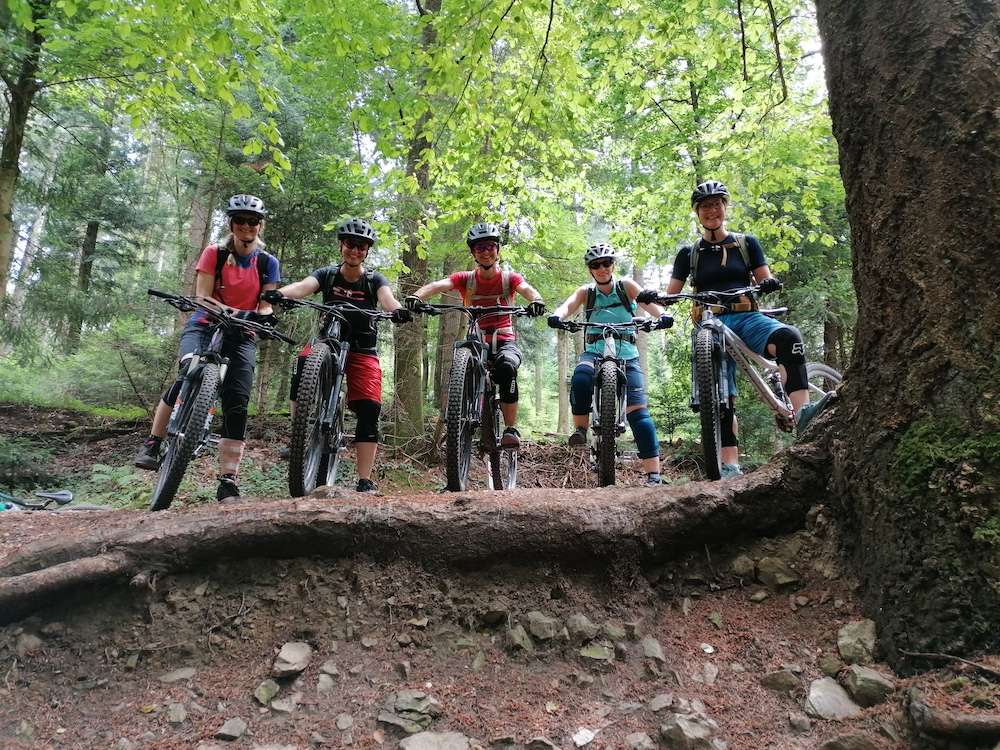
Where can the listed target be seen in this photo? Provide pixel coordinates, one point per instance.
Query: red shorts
(364, 378)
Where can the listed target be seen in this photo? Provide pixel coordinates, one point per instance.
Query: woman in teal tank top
(610, 300)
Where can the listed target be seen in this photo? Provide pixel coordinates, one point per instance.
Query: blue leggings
(582, 393)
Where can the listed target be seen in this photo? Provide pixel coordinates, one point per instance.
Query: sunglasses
(250, 221)
(355, 244)
(485, 247)
(600, 264)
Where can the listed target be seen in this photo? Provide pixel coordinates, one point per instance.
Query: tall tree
(914, 113)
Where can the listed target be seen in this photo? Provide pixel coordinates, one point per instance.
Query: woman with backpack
(611, 300)
(721, 261)
(233, 274)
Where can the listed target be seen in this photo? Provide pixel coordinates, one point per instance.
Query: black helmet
(709, 189)
(482, 231)
(246, 204)
(599, 251)
(359, 229)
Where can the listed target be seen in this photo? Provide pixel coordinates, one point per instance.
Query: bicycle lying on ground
(474, 404)
(715, 348)
(607, 411)
(62, 499)
(189, 428)
(317, 442)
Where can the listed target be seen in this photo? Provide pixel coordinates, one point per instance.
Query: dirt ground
(102, 672)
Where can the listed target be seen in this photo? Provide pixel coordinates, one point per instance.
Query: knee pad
(505, 375)
(581, 390)
(790, 352)
(368, 413)
(644, 432)
(170, 395)
(234, 421)
(726, 415)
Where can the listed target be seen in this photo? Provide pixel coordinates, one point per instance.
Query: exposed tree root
(952, 724)
(481, 528)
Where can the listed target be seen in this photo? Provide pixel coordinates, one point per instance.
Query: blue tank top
(608, 308)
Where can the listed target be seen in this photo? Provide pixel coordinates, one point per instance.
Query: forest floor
(166, 666)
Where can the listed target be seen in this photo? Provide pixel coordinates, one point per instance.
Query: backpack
(588, 308)
(222, 255)
(369, 278)
(741, 243)
(506, 298)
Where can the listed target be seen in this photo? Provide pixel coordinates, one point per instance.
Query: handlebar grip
(161, 295)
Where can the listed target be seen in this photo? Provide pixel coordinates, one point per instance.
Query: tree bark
(449, 331)
(20, 93)
(576, 526)
(409, 339)
(917, 463)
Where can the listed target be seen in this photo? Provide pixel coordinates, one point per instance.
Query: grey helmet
(709, 189)
(599, 251)
(359, 229)
(246, 204)
(482, 231)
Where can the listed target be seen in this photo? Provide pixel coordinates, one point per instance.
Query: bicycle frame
(610, 354)
(475, 343)
(770, 390)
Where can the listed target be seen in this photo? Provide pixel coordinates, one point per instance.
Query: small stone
(830, 665)
(325, 683)
(233, 729)
(284, 705)
(435, 741)
(176, 713)
(660, 701)
(633, 629)
(542, 626)
(639, 741)
(776, 574)
(802, 601)
(369, 641)
(330, 668)
(867, 686)
(403, 639)
(344, 721)
(651, 649)
(496, 613)
(132, 661)
(27, 644)
(799, 723)
(758, 596)
(580, 628)
(418, 622)
(743, 566)
(828, 700)
(266, 691)
(856, 642)
(293, 658)
(615, 631)
(849, 742)
(479, 662)
(178, 675)
(781, 681)
(709, 673)
(583, 736)
(598, 652)
(541, 743)
(403, 669)
(519, 640)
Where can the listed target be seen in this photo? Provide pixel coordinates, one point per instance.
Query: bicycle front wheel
(306, 444)
(706, 365)
(190, 430)
(458, 442)
(336, 442)
(607, 392)
(502, 461)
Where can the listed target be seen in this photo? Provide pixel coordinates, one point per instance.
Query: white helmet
(599, 251)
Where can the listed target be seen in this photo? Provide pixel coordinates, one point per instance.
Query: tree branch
(777, 52)
(743, 37)
(118, 77)
(541, 54)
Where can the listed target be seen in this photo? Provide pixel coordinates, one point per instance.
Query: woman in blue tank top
(613, 302)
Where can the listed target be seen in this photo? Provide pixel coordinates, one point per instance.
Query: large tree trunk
(409, 352)
(449, 331)
(918, 466)
(20, 93)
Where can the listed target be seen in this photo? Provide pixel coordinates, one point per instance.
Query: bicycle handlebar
(709, 298)
(336, 309)
(646, 325)
(427, 308)
(226, 319)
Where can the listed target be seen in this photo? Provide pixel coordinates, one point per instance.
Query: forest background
(128, 125)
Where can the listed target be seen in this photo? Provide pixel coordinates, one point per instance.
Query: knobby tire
(822, 378)
(458, 442)
(707, 368)
(192, 427)
(502, 461)
(306, 443)
(608, 412)
(329, 464)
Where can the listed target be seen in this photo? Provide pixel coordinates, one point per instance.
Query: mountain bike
(607, 407)
(317, 441)
(474, 404)
(62, 499)
(189, 428)
(715, 348)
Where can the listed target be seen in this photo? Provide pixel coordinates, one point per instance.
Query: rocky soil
(755, 646)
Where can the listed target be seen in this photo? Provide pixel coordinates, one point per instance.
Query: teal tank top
(608, 308)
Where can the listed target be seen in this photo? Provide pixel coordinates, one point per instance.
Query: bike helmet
(709, 189)
(598, 251)
(482, 231)
(359, 229)
(246, 204)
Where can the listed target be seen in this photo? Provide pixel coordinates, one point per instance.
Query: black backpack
(741, 243)
(592, 297)
(222, 253)
(369, 278)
